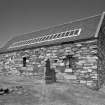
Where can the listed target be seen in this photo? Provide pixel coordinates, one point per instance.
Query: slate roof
(89, 29)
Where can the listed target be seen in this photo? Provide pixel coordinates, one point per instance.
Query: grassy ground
(59, 93)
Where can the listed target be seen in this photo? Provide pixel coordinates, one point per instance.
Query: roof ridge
(75, 20)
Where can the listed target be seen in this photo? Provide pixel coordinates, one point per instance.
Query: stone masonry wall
(83, 69)
(101, 55)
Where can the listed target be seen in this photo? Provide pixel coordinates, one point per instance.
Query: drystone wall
(83, 69)
(101, 55)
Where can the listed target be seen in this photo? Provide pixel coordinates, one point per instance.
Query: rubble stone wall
(83, 65)
(101, 55)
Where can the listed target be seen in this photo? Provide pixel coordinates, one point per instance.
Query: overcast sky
(24, 16)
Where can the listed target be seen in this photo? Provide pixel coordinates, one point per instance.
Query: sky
(18, 17)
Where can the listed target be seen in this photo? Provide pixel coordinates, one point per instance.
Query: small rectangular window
(40, 39)
(32, 41)
(55, 35)
(51, 36)
(67, 33)
(24, 61)
(71, 33)
(76, 32)
(35, 40)
(58, 35)
(44, 38)
(68, 61)
(47, 37)
(63, 34)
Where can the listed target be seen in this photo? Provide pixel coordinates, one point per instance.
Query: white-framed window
(70, 33)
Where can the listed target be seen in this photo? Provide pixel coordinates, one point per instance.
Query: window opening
(51, 36)
(24, 61)
(58, 35)
(67, 33)
(68, 60)
(71, 33)
(63, 34)
(55, 36)
(76, 32)
(47, 37)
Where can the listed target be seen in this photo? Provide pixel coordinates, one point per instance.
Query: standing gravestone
(50, 73)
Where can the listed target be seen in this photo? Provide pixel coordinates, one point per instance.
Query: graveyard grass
(59, 93)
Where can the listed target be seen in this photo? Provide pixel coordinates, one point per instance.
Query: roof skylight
(51, 37)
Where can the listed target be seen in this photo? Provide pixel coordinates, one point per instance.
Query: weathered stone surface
(83, 64)
(83, 81)
(72, 77)
(101, 54)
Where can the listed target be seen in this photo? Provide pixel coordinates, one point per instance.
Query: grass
(60, 93)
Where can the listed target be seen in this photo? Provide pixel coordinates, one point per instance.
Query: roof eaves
(99, 25)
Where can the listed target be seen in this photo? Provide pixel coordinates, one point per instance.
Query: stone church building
(76, 50)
